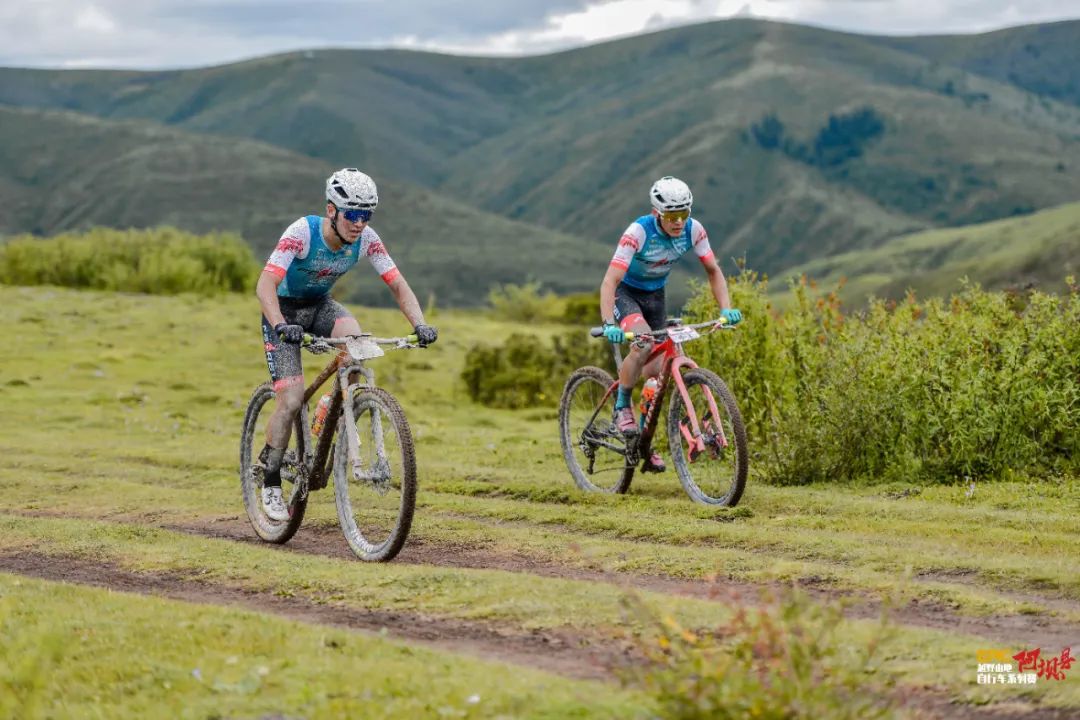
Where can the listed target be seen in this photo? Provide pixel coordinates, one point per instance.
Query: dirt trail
(569, 655)
(1019, 630)
(564, 653)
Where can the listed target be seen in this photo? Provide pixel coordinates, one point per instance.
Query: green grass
(121, 426)
(73, 652)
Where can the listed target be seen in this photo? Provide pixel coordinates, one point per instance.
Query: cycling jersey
(309, 268)
(647, 253)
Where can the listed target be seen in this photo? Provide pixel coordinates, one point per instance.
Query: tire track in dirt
(565, 653)
(571, 656)
(1020, 630)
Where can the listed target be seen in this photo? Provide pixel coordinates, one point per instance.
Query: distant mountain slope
(1042, 249)
(949, 147)
(799, 142)
(63, 171)
(1043, 59)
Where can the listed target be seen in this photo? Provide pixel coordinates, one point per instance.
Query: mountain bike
(705, 430)
(364, 441)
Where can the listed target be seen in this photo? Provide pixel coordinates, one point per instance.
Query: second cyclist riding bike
(705, 431)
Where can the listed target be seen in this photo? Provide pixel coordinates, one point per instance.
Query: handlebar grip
(308, 339)
(599, 332)
(412, 339)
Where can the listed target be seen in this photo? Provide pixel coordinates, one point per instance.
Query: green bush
(523, 303)
(982, 385)
(523, 373)
(161, 261)
(581, 309)
(788, 660)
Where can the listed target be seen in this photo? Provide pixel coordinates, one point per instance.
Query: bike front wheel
(375, 498)
(594, 450)
(293, 471)
(712, 468)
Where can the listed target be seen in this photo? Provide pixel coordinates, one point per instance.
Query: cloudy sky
(183, 33)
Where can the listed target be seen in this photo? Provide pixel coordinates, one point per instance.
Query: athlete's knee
(345, 325)
(290, 393)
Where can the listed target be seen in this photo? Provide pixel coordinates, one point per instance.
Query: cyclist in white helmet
(632, 293)
(294, 293)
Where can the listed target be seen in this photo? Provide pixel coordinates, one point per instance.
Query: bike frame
(675, 362)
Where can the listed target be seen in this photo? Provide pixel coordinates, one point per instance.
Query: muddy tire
(292, 470)
(376, 509)
(595, 452)
(716, 476)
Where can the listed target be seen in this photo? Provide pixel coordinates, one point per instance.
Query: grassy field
(119, 446)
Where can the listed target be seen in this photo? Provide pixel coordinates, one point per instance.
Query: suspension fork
(692, 434)
(353, 442)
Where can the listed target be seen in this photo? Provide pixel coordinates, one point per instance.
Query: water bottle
(319, 419)
(648, 392)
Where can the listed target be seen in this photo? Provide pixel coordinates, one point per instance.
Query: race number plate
(363, 348)
(682, 334)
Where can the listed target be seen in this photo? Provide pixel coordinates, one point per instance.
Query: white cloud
(175, 33)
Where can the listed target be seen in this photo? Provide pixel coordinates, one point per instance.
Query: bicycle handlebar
(722, 322)
(408, 339)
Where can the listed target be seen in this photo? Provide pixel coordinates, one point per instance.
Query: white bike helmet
(670, 193)
(351, 189)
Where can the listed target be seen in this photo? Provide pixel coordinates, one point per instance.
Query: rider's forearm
(718, 283)
(266, 291)
(406, 300)
(607, 294)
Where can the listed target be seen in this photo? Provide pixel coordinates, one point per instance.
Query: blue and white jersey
(309, 268)
(647, 253)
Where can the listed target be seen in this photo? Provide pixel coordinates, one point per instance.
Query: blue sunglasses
(356, 215)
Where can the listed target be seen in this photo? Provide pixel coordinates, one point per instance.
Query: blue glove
(614, 334)
(732, 315)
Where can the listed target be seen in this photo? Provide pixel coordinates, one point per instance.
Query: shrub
(162, 261)
(523, 373)
(976, 386)
(581, 309)
(523, 303)
(787, 660)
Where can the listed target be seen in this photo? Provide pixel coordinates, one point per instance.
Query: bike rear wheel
(595, 452)
(716, 473)
(376, 509)
(293, 471)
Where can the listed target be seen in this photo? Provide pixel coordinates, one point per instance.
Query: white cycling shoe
(273, 505)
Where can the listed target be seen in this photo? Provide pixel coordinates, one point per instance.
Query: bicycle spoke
(375, 496)
(710, 457)
(594, 450)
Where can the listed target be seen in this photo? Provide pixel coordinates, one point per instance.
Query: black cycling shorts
(317, 316)
(631, 303)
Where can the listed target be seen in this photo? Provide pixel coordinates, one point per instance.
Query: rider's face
(349, 230)
(671, 223)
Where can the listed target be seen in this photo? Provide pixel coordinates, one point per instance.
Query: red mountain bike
(705, 430)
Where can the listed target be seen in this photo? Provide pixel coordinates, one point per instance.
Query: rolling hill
(799, 142)
(65, 171)
(1038, 250)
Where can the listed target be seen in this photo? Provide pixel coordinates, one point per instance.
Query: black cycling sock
(271, 458)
